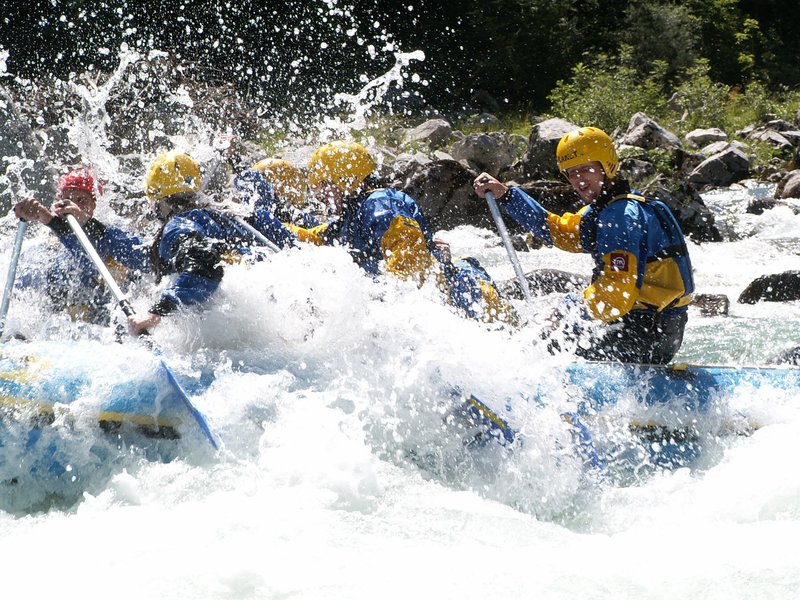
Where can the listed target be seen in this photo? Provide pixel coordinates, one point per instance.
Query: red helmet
(79, 179)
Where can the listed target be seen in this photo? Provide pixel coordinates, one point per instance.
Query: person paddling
(642, 280)
(72, 281)
(195, 240)
(385, 231)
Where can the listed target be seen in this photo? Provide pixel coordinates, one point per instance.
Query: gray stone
(646, 133)
(490, 152)
(778, 287)
(724, 168)
(789, 186)
(434, 133)
(703, 137)
(540, 158)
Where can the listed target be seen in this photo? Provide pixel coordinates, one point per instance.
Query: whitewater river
(338, 481)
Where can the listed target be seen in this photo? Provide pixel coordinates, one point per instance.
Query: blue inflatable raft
(669, 407)
(66, 404)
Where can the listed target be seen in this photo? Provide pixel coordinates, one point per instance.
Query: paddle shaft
(12, 274)
(512, 254)
(126, 307)
(260, 237)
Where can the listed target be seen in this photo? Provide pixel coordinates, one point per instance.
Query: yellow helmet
(584, 145)
(287, 179)
(172, 173)
(345, 164)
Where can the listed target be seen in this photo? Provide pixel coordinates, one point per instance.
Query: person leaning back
(642, 280)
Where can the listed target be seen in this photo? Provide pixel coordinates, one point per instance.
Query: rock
(722, 169)
(711, 305)
(789, 186)
(717, 147)
(702, 137)
(540, 159)
(443, 190)
(759, 205)
(646, 133)
(695, 218)
(772, 137)
(490, 152)
(543, 282)
(407, 161)
(635, 169)
(780, 287)
(433, 132)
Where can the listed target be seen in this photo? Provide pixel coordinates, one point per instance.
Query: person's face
(587, 179)
(83, 199)
(330, 195)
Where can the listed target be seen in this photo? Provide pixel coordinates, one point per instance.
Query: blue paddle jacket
(254, 190)
(640, 255)
(73, 282)
(385, 230)
(194, 245)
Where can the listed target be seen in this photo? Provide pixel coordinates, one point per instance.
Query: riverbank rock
(778, 287)
(698, 138)
(712, 305)
(489, 152)
(539, 161)
(433, 133)
(645, 133)
(721, 169)
(789, 186)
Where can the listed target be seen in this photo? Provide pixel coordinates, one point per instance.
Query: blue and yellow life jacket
(385, 230)
(640, 254)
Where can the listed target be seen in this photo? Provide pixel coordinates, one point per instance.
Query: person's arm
(275, 231)
(186, 250)
(552, 229)
(31, 209)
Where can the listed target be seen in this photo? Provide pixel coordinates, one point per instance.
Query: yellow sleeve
(310, 236)
(405, 249)
(614, 293)
(565, 231)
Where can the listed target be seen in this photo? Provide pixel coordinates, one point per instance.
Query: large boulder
(646, 133)
(433, 133)
(778, 287)
(443, 190)
(490, 152)
(695, 218)
(539, 161)
(722, 169)
(789, 186)
(698, 138)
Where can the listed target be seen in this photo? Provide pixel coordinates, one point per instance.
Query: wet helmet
(584, 145)
(345, 164)
(172, 173)
(287, 179)
(79, 179)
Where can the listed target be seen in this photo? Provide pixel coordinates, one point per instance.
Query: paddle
(501, 228)
(12, 274)
(260, 237)
(126, 307)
